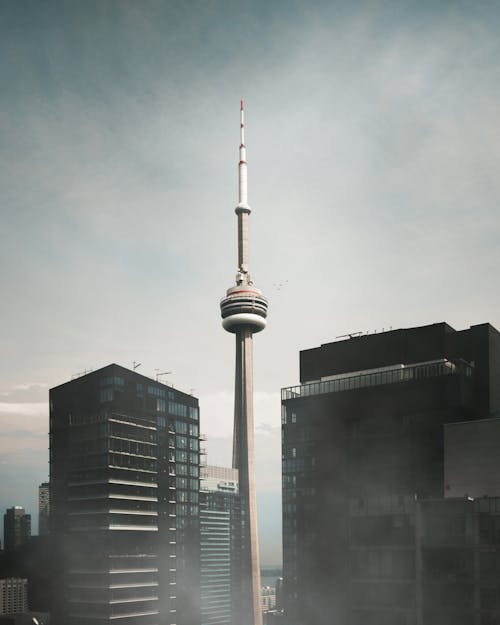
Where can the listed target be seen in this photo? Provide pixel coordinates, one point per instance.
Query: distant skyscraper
(363, 451)
(244, 311)
(43, 508)
(220, 545)
(219, 479)
(124, 476)
(16, 527)
(279, 593)
(13, 595)
(268, 598)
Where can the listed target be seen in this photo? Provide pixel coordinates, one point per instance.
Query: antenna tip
(242, 104)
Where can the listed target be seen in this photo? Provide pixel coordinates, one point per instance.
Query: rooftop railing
(400, 373)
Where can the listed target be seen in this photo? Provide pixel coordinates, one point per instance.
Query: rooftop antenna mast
(158, 373)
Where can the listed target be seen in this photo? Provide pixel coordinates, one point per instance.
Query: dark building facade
(124, 521)
(458, 561)
(16, 527)
(472, 458)
(363, 443)
(43, 508)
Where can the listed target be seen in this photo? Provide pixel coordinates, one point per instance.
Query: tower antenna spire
(242, 166)
(243, 209)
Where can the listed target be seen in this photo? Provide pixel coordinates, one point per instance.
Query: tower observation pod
(244, 312)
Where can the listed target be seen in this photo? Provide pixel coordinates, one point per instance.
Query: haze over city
(373, 150)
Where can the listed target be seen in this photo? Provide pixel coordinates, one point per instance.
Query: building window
(181, 455)
(107, 394)
(116, 381)
(177, 409)
(181, 427)
(181, 469)
(193, 412)
(193, 458)
(160, 405)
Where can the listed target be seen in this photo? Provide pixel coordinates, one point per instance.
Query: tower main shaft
(244, 311)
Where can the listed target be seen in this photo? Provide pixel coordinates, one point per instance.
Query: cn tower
(244, 311)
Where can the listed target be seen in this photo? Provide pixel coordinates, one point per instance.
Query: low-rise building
(13, 595)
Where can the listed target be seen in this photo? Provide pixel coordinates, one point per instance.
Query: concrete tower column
(244, 461)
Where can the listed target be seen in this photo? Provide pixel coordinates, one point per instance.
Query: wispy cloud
(23, 427)
(217, 412)
(28, 386)
(25, 409)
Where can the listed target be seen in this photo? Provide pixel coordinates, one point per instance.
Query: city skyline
(374, 165)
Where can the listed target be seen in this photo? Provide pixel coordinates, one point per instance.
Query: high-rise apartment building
(16, 527)
(363, 445)
(220, 545)
(43, 508)
(13, 595)
(124, 520)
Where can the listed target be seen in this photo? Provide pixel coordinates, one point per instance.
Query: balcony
(386, 375)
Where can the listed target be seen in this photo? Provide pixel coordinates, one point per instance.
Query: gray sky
(373, 134)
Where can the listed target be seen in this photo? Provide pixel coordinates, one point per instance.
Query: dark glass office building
(363, 444)
(16, 527)
(124, 522)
